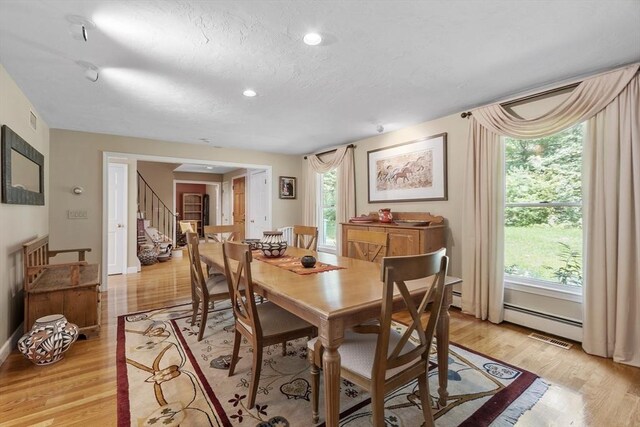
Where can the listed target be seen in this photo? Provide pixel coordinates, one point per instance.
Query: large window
(543, 210)
(327, 210)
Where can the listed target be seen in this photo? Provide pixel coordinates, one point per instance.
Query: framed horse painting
(409, 172)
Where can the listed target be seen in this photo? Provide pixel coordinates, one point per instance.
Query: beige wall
(19, 223)
(159, 176)
(456, 129)
(76, 159)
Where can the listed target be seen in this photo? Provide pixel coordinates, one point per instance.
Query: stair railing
(155, 210)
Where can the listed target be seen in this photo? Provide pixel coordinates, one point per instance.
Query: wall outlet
(77, 214)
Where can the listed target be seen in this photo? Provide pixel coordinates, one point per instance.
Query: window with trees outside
(327, 210)
(543, 210)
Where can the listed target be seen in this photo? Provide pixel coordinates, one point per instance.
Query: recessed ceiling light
(312, 39)
(249, 93)
(91, 74)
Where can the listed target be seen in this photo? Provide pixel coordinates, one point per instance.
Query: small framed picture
(287, 187)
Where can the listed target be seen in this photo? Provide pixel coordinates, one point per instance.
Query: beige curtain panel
(611, 321)
(342, 160)
(611, 308)
(483, 226)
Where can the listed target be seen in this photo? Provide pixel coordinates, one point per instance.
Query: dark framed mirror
(22, 171)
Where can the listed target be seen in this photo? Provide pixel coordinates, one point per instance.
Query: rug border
(122, 378)
(224, 419)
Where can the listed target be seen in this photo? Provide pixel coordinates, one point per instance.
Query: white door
(117, 221)
(226, 203)
(258, 207)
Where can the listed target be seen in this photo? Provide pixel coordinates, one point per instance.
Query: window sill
(327, 249)
(573, 295)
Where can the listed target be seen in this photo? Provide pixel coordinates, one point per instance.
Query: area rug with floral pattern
(167, 378)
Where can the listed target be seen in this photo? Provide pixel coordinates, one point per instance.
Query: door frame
(125, 254)
(113, 155)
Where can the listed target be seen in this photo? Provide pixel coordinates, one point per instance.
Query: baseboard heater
(536, 320)
(570, 322)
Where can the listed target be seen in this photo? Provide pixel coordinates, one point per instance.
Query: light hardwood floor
(81, 389)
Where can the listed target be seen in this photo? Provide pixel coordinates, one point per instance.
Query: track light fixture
(80, 27)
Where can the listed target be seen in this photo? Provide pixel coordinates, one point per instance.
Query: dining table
(333, 301)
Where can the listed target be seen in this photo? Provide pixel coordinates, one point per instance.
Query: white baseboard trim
(538, 323)
(133, 270)
(6, 348)
(542, 324)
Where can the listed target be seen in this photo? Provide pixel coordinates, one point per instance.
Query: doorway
(208, 212)
(239, 202)
(117, 218)
(199, 164)
(259, 220)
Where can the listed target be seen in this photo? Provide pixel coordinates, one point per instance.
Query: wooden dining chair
(223, 233)
(261, 324)
(305, 237)
(188, 225)
(204, 290)
(381, 359)
(367, 245)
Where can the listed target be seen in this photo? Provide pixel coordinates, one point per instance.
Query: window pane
(545, 169)
(544, 243)
(328, 209)
(329, 226)
(329, 188)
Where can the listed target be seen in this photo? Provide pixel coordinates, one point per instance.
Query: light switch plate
(77, 214)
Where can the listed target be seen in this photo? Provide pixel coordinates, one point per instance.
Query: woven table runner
(292, 263)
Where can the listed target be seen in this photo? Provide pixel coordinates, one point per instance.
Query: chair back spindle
(237, 266)
(305, 237)
(197, 275)
(222, 233)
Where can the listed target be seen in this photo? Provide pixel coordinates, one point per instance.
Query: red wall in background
(187, 188)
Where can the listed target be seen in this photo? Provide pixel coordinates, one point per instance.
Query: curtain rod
(466, 114)
(330, 151)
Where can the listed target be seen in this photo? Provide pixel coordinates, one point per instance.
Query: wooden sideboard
(404, 238)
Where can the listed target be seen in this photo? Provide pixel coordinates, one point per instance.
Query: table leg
(331, 337)
(442, 335)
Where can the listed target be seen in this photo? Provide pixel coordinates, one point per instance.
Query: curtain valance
(320, 166)
(588, 98)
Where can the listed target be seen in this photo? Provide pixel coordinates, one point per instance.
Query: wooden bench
(71, 289)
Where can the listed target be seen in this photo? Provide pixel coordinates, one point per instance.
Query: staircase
(156, 222)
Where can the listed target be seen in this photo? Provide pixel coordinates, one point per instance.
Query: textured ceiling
(175, 70)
